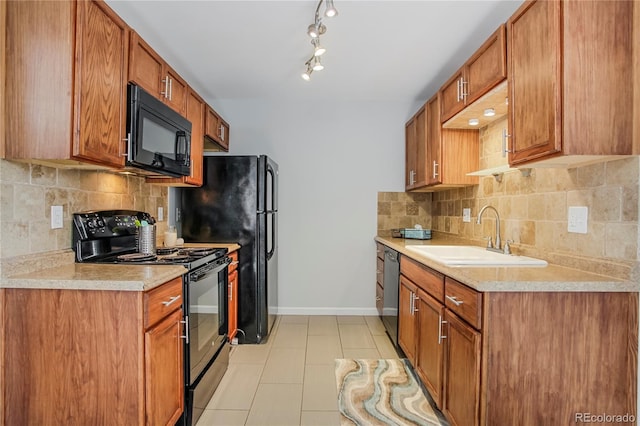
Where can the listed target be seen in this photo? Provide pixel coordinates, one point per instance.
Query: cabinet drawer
(379, 298)
(426, 278)
(234, 262)
(464, 301)
(161, 301)
(380, 271)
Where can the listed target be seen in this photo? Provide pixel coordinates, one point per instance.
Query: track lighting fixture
(317, 49)
(314, 31)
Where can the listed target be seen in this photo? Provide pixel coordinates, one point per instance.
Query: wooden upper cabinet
(570, 80)
(195, 114)
(485, 69)
(216, 132)
(415, 150)
(452, 95)
(100, 89)
(433, 139)
(148, 70)
(67, 65)
(438, 158)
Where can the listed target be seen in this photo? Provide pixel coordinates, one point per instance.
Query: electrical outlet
(577, 219)
(160, 214)
(57, 214)
(466, 215)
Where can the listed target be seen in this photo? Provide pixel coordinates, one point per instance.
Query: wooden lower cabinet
(430, 350)
(89, 357)
(407, 319)
(461, 399)
(525, 358)
(232, 291)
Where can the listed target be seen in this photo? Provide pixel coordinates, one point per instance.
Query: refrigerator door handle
(272, 237)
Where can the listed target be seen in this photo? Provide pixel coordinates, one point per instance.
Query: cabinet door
(410, 150)
(430, 351)
(195, 114)
(407, 319)
(100, 85)
(535, 89)
(164, 374)
(452, 99)
(461, 397)
(177, 91)
(233, 304)
(487, 67)
(420, 175)
(217, 129)
(434, 151)
(145, 66)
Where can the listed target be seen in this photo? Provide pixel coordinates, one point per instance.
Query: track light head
(331, 11)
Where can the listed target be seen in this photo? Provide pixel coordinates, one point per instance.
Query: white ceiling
(389, 50)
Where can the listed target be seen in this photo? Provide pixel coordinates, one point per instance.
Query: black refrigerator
(238, 202)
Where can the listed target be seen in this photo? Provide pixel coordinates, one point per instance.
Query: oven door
(206, 299)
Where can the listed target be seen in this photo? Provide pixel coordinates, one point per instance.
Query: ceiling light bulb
(313, 31)
(317, 65)
(474, 122)
(331, 11)
(319, 50)
(306, 76)
(489, 112)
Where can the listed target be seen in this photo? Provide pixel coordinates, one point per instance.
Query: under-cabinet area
(490, 346)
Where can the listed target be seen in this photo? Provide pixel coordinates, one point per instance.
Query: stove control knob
(100, 223)
(90, 224)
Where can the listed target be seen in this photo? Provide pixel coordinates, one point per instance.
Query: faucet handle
(489, 241)
(507, 247)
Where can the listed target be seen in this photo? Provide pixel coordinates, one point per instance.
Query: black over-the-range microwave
(159, 139)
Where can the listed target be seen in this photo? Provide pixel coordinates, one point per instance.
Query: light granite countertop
(550, 278)
(92, 276)
(65, 275)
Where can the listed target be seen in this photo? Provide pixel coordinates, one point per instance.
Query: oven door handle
(186, 329)
(200, 273)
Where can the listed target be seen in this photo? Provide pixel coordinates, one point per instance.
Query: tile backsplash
(403, 210)
(29, 190)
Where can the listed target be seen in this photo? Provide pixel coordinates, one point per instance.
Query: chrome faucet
(498, 241)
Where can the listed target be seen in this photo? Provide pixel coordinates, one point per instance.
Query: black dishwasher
(391, 280)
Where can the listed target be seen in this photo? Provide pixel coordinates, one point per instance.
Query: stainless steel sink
(472, 256)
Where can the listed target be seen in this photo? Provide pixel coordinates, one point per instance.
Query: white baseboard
(327, 311)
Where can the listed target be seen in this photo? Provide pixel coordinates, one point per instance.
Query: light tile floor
(290, 379)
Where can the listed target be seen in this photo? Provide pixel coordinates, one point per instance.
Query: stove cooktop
(164, 255)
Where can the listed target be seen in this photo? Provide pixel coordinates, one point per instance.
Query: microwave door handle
(182, 147)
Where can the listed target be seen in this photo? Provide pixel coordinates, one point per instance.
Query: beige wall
(29, 190)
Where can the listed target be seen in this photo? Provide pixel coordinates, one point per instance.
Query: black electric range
(110, 237)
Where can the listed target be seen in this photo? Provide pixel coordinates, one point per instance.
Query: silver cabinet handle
(127, 141)
(170, 88)
(166, 87)
(378, 298)
(435, 169)
(463, 92)
(455, 300)
(415, 309)
(171, 300)
(458, 94)
(505, 145)
(441, 336)
(411, 302)
(186, 329)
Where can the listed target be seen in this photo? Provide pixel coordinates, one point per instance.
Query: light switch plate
(466, 215)
(160, 214)
(577, 219)
(57, 214)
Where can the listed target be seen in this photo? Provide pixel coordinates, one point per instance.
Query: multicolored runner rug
(378, 392)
